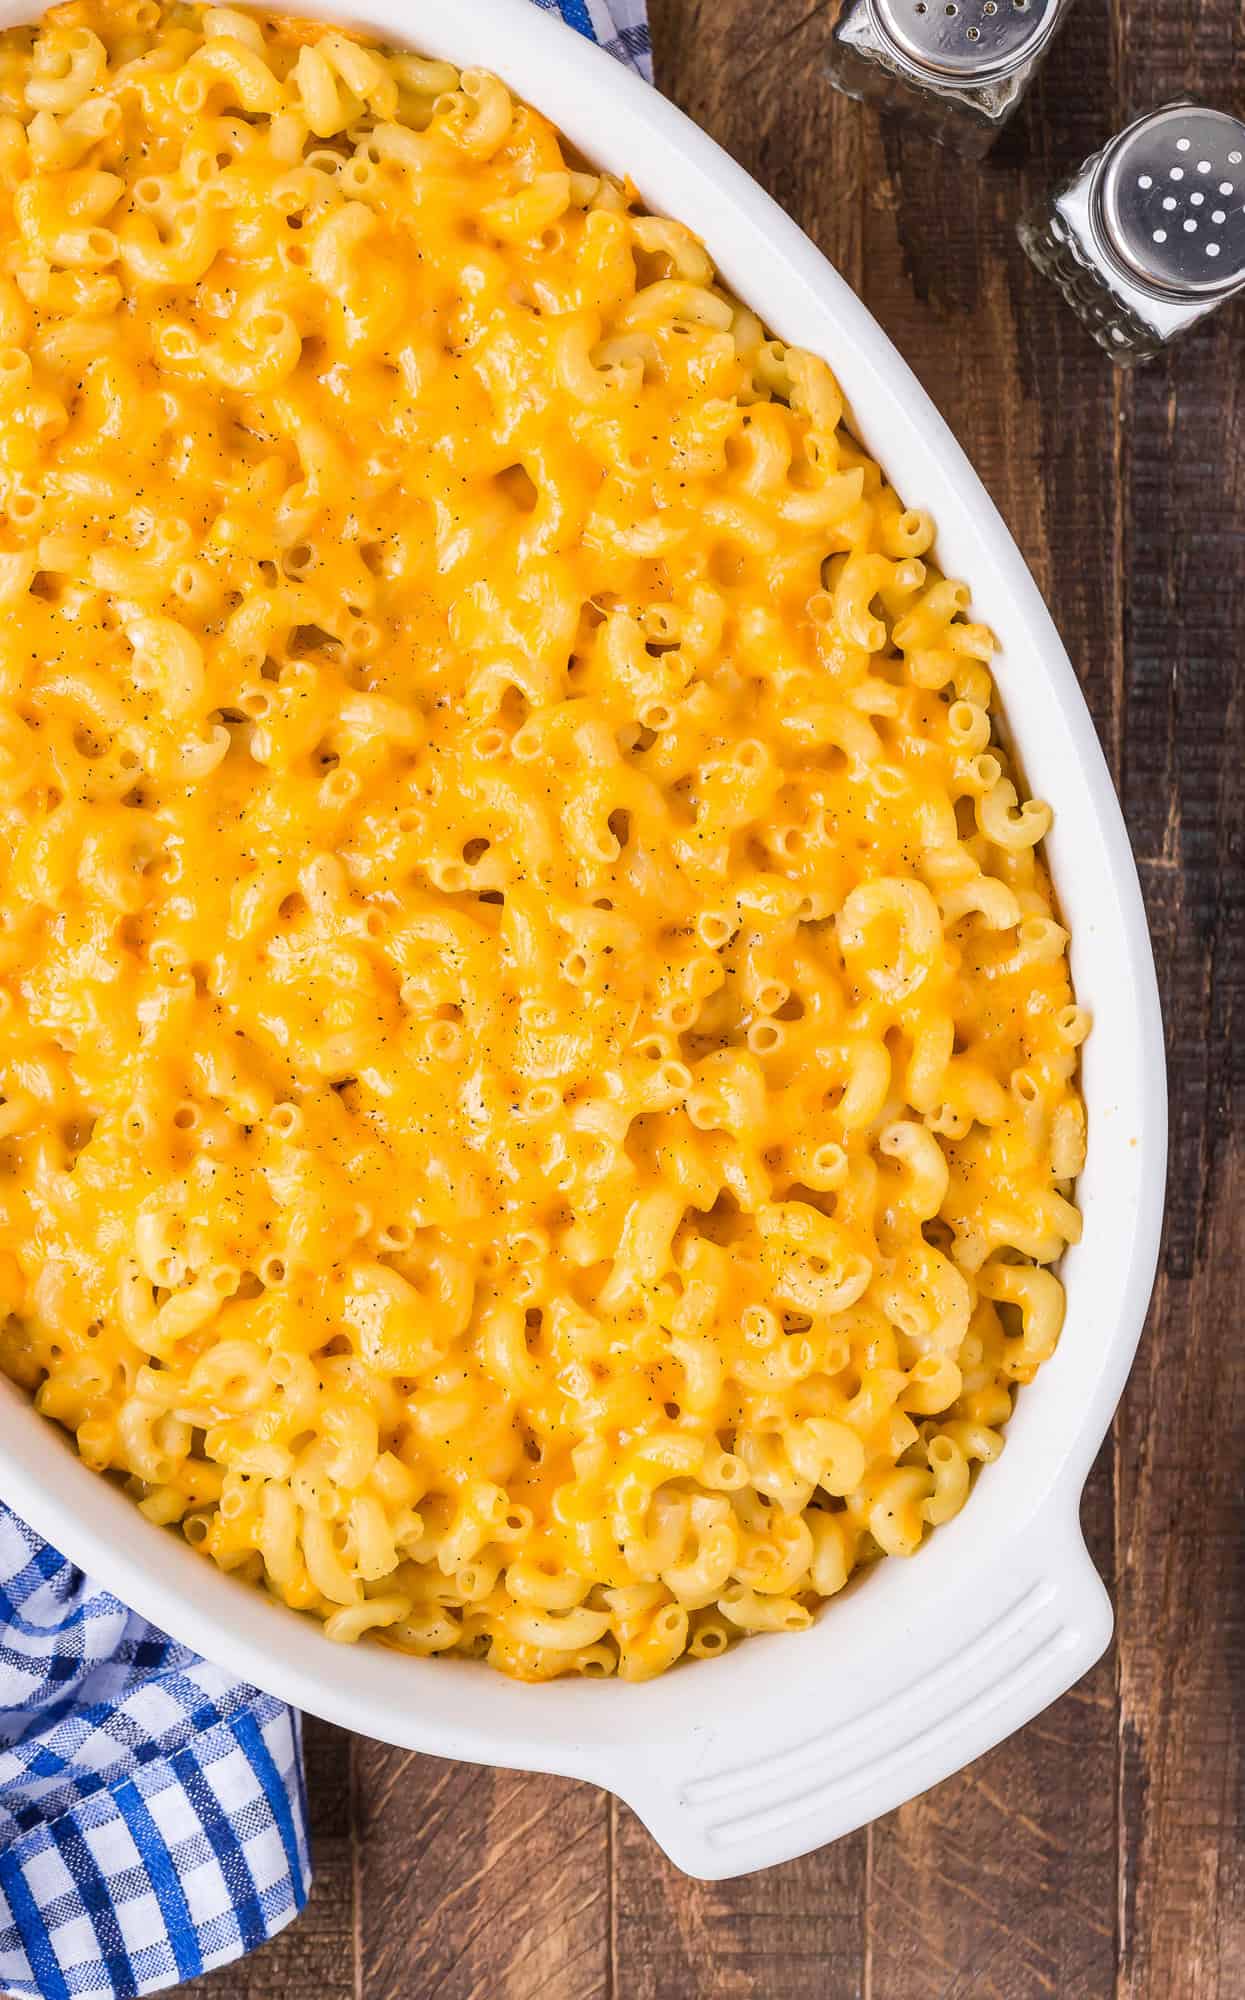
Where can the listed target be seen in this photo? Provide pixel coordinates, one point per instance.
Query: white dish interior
(788, 1741)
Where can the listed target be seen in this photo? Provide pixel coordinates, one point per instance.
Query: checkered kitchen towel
(621, 26)
(153, 1822)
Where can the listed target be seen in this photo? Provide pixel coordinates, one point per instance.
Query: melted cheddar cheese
(538, 1063)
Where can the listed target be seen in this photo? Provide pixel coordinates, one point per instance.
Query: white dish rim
(791, 1741)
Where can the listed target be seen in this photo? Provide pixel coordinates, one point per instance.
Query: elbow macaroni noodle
(538, 1062)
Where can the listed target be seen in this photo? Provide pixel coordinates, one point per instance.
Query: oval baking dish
(786, 1743)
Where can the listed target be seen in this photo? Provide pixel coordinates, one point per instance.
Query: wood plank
(477, 1884)
(715, 57)
(1182, 1426)
(1002, 1881)
(1182, 1444)
(789, 1933)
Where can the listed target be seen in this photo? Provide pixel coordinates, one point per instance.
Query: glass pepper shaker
(956, 68)
(1148, 236)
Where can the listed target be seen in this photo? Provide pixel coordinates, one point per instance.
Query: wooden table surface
(1099, 1854)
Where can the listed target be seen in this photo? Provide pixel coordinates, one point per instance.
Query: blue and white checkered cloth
(153, 1822)
(621, 27)
(152, 1818)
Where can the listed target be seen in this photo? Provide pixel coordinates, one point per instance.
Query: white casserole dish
(788, 1741)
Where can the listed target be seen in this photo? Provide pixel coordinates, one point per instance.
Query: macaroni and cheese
(538, 1060)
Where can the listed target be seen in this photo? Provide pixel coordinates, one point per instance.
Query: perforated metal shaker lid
(965, 41)
(1169, 201)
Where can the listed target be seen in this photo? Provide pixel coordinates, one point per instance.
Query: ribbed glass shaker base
(1053, 247)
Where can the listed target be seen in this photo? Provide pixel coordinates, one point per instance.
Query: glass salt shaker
(1148, 236)
(956, 68)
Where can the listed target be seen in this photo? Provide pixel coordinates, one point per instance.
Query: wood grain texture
(791, 1933)
(1099, 1854)
(1181, 1429)
(479, 1884)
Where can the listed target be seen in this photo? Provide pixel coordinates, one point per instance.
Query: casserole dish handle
(998, 1649)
